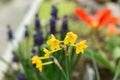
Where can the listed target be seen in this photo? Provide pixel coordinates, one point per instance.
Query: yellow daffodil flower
(39, 65)
(38, 62)
(47, 53)
(35, 59)
(70, 38)
(54, 43)
(81, 46)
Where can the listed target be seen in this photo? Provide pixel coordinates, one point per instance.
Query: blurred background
(12, 13)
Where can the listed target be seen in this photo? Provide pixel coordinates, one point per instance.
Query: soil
(105, 74)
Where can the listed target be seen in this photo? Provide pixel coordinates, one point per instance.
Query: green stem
(70, 65)
(67, 68)
(96, 42)
(59, 66)
(117, 73)
(76, 61)
(95, 66)
(64, 74)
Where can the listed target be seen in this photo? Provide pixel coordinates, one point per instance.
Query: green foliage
(64, 8)
(116, 53)
(100, 57)
(79, 28)
(111, 43)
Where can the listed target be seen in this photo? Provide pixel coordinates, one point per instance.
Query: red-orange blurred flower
(112, 30)
(100, 19)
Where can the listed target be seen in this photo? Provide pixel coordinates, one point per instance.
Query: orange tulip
(100, 19)
(112, 30)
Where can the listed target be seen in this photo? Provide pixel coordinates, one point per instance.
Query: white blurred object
(115, 8)
(89, 74)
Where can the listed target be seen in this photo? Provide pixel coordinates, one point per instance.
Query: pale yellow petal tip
(40, 69)
(52, 36)
(44, 49)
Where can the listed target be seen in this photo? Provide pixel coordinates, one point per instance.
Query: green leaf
(100, 57)
(116, 53)
(111, 43)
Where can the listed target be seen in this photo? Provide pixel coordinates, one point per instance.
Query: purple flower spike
(21, 76)
(54, 11)
(64, 25)
(34, 52)
(52, 25)
(26, 32)
(38, 39)
(10, 33)
(15, 59)
(37, 23)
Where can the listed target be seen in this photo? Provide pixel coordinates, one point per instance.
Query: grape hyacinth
(38, 38)
(37, 23)
(64, 28)
(26, 35)
(34, 52)
(52, 25)
(10, 33)
(21, 76)
(54, 11)
(15, 59)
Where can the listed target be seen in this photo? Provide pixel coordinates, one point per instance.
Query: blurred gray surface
(11, 13)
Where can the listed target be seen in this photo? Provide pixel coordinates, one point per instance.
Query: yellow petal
(47, 53)
(53, 43)
(70, 38)
(81, 46)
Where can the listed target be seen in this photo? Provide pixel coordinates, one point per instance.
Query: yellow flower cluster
(55, 46)
(69, 39)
